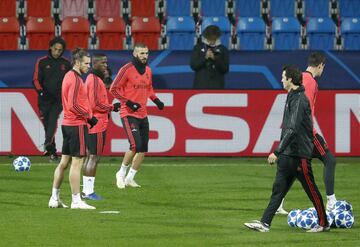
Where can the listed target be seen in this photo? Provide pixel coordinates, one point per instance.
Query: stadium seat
(286, 33)
(142, 8)
(321, 33)
(180, 32)
(178, 8)
(73, 8)
(146, 30)
(350, 30)
(108, 8)
(39, 31)
(9, 33)
(75, 31)
(318, 8)
(349, 8)
(111, 33)
(38, 8)
(251, 32)
(213, 8)
(8, 8)
(246, 8)
(282, 8)
(223, 23)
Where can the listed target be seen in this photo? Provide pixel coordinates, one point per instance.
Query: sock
(76, 198)
(131, 174)
(55, 194)
(123, 170)
(88, 185)
(282, 203)
(331, 198)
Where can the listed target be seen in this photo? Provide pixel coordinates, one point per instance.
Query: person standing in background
(48, 76)
(210, 60)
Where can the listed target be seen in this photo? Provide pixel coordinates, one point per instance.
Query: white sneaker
(281, 211)
(257, 226)
(131, 183)
(120, 181)
(319, 229)
(81, 205)
(56, 203)
(330, 205)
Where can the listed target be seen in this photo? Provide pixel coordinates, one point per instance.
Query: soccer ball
(21, 164)
(330, 218)
(291, 218)
(307, 220)
(342, 205)
(344, 219)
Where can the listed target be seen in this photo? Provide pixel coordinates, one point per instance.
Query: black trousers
(137, 131)
(288, 169)
(50, 110)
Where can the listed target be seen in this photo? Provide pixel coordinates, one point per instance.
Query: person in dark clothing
(210, 60)
(47, 80)
(293, 154)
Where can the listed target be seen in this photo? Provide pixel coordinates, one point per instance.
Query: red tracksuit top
(75, 100)
(311, 90)
(99, 102)
(129, 84)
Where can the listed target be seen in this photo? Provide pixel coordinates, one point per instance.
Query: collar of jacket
(140, 67)
(98, 73)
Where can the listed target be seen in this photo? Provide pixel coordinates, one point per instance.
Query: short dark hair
(212, 31)
(316, 58)
(294, 73)
(77, 54)
(140, 45)
(96, 57)
(58, 40)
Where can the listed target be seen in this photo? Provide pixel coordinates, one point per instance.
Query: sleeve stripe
(97, 102)
(36, 74)
(76, 93)
(117, 79)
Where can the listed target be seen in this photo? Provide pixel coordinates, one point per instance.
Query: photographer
(210, 60)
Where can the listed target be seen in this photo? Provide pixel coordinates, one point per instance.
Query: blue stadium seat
(178, 8)
(223, 23)
(286, 33)
(180, 32)
(318, 8)
(281, 8)
(321, 33)
(246, 8)
(251, 32)
(350, 30)
(349, 8)
(213, 8)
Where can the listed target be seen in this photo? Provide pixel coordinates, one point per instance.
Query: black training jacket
(297, 127)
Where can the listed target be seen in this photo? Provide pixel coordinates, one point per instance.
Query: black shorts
(96, 143)
(320, 147)
(137, 131)
(74, 140)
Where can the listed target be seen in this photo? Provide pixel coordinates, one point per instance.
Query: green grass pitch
(182, 202)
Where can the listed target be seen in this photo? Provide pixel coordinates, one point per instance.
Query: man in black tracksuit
(210, 60)
(48, 76)
(293, 155)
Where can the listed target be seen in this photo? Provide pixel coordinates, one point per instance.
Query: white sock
(55, 194)
(331, 198)
(76, 198)
(282, 203)
(131, 174)
(123, 170)
(88, 185)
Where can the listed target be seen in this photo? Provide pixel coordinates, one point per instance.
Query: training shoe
(281, 211)
(120, 181)
(81, 205)
(257, 226)
(93, 196)
(56, 203)
(319, 229)
(131, 183)
(330, 205)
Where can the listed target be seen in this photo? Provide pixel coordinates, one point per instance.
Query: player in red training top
(101, 108)
(77, 114)
(316, 64)
(133, 86)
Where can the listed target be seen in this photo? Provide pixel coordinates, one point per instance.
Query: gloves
(92, 121)
(40, 92)
(132, 105)
(159, 103)
(116, 107)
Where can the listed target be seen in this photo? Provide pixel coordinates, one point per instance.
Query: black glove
(159, 103)
(116, 107)
(92, 121)
(40, 92)
(132, 105)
